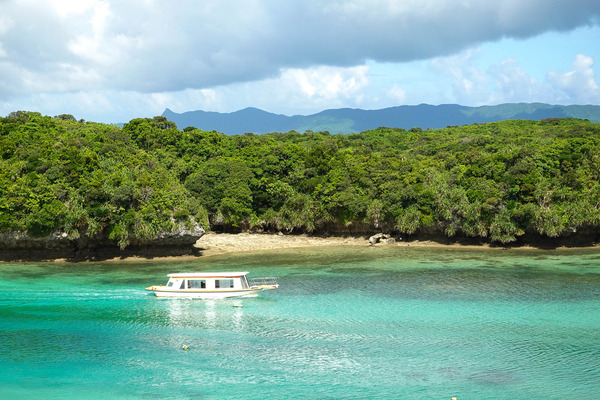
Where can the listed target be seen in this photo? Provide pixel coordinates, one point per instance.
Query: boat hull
(203, 294)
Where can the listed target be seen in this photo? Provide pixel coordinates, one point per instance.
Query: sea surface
(346, 323)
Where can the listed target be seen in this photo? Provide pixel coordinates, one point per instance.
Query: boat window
(182, 284)
(197, 283)
(224, 283)
(170, 284)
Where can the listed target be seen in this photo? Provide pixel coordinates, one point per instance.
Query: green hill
(499, 182)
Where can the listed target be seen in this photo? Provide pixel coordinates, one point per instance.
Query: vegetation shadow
(98, 253)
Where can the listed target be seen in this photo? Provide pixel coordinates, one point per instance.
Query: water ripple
(362, 323)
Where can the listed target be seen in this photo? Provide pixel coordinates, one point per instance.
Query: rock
(22, 240)
(182, 235)
(378, 238)
(18, 245)
(382, 238)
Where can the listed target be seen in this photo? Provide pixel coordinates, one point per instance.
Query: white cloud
(513, 84)
(458, 79)
(160, 45)
(301, 79)
(326, 82)
(397, 94)
(579, 85)
(294, 91)
(90, 45)
(68, 8)
(138, 57)
(6, 23)
(462, 80)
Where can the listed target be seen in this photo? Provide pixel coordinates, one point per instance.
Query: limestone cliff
(22, 246)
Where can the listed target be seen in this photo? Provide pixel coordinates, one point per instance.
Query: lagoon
(351, 323)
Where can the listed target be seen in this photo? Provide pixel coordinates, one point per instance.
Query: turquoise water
(348, 323)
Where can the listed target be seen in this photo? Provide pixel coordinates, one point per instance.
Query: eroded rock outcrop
(18, 245)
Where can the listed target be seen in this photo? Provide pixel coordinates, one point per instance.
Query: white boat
(212, 285)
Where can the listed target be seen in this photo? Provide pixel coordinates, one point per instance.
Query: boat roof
(207, 274)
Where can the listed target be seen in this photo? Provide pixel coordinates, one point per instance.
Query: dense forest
(496, 181)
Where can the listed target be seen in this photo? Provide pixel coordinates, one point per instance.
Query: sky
(115, 60)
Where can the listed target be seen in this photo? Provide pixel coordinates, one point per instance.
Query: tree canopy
(496, 181)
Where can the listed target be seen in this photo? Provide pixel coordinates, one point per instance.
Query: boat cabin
(208, 281)
(212, 285)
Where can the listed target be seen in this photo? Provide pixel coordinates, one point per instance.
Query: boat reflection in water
(212, 315)
(212, 285)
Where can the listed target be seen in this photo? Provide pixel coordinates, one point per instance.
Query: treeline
(85, 179)
(496, 181)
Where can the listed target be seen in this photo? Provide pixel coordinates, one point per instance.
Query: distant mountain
(348, 120)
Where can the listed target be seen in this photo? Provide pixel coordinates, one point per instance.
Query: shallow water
(346, 323)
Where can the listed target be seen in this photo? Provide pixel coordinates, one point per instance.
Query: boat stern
(267, 283)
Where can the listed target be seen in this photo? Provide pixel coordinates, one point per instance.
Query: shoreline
(215, 244)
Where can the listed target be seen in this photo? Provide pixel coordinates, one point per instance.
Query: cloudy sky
(114, 60)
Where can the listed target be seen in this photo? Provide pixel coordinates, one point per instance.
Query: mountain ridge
(355, 120)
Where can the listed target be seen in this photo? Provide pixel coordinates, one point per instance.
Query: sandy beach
(221, 243)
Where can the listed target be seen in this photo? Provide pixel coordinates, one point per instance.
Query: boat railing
(269, 281)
